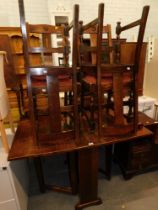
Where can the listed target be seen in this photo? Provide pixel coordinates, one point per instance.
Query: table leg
(108, 161)
(73, 175)
(88, 178)
(39, 173)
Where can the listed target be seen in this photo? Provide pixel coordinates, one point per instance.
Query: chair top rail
(45, 29)
(45, 70)
(46, 50)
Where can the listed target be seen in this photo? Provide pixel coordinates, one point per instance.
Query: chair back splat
(54, 122)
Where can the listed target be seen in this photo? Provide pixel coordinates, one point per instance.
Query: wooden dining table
(24, 147)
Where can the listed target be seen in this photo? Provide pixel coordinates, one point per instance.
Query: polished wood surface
(24, 140)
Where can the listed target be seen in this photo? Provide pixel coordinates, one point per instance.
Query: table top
(23, 145)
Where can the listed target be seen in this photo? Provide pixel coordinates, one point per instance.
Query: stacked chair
(88, 66)
(57, 120)
(113, 78)
(49, 80)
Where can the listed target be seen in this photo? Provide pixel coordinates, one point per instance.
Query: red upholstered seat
(107, 81)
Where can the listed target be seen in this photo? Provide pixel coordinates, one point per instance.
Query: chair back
(54, 122)
(116, 123)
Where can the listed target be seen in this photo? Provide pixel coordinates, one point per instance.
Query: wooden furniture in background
(16, 76)
(137, 156)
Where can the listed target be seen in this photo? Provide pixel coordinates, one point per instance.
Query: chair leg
(39, 173)
(22, 95)
(73, 173)
(11, 122)
(19, 96)
(4, 137)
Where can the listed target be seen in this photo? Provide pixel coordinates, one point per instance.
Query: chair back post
(142, 25)
(26, 63)
(99, 47)
(140, 38)
(74, 66)
(117, 47)
(67, 45)
(139, 45)
(80, 40)
(109, 36)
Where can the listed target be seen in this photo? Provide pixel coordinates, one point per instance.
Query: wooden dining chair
(54, 123)
(87, 59)
(60, 81)
(117, 80)
(124, 82)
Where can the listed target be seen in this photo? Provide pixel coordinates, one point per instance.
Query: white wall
(9, 14)
(115, 10)
(38, 11)
(151, 75)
